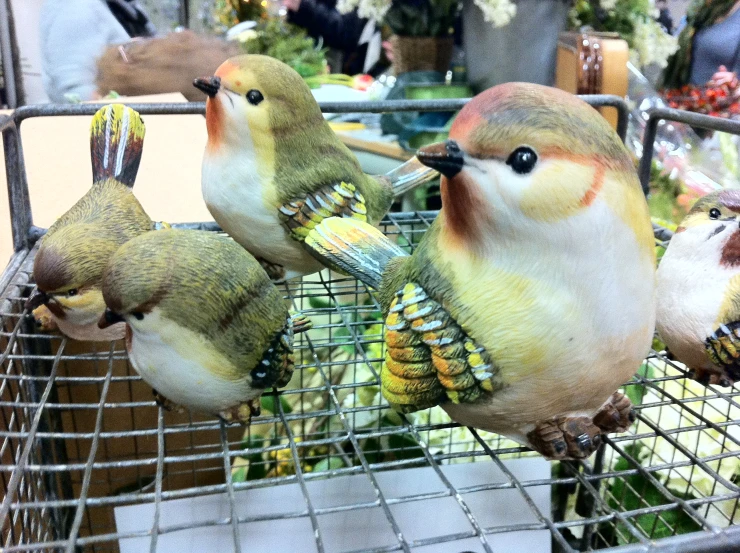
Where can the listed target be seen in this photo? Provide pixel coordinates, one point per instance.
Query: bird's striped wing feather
(300, 215)
(277, 365)
(430, 359)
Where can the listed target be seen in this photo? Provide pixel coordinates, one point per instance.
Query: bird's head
(253, 99)
(521, 154)
(713, 222)
(138, 279)
(68, 269)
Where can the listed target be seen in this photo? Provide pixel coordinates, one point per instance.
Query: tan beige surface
(57, 154)
(614, 75)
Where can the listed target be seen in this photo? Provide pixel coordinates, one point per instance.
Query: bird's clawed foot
(616, 415)
(723, 349)
(275, 272)
(566, 438)
(165, 403)
(241, 413)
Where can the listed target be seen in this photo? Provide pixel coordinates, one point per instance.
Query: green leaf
(318, 302)
(267, 403)
(239, 475)
(637, 391)
(257, 465)
(637, 492)
(332, 463)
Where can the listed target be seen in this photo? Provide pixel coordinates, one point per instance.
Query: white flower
(702, 442)
(370, 9)
(498, 12)
(651, 44)
(608, 5)
(347, 6)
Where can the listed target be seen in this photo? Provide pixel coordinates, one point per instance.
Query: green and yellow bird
(69, 263)
(273, 168)
(208, 329)
(698, 310)
(531, 298)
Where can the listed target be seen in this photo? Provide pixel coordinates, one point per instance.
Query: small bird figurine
(208, 329)
(531, 298)
(72, 255)
(698, 308)
(273, 168)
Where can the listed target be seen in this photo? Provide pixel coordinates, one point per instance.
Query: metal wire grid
(82, 434)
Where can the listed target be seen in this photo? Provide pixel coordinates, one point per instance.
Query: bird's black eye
(138, 315)
(71, 292)
(522, 160)
(254, 97)
(714, 213)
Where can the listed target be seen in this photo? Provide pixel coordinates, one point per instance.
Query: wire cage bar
(89, 461)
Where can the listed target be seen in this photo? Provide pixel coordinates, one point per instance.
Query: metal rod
(19, 200)
(7, 50)
(726, 541)
(655, 115)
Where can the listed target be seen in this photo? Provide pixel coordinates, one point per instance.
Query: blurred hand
(723, 77)
(292, 5)
(388, 49)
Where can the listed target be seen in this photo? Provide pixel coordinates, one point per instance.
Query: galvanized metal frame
(41, 509)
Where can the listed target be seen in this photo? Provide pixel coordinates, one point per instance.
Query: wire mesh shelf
(90, 462)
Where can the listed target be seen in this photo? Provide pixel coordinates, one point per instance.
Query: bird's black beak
(209, 85)
(109, 318)
(446, 157)
(37, 298)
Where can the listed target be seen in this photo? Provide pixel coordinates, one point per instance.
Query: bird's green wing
(430, 359)
(300, 215)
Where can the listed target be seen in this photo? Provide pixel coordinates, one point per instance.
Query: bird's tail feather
(116, 141)
(353, 247)
(409, 175)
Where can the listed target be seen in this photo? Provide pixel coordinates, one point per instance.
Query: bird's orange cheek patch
(214, 123)
(561, 190)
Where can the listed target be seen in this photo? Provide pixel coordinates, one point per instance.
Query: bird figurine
(698, 292)
(208, 329)
(531, 298)
(69, 263)
(273, 168)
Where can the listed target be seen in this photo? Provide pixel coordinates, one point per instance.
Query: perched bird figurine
(208, 329)
(273, 168)
(72, 255)
(531, 298)
(698, 309)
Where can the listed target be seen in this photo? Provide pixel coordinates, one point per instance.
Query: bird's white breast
(692, 284)
(581, 327)
(239, 200)
(173, 360)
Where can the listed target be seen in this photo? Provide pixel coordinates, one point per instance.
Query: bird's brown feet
(274, 271)
(566, 437)
(710, 377)
(165, 403)
(723, 349)
(241, 413)
(616, 415)
(44, 319)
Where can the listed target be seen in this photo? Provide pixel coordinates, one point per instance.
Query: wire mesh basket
(90, 462)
